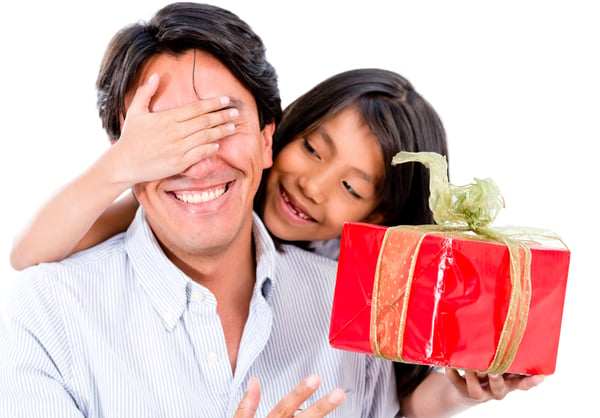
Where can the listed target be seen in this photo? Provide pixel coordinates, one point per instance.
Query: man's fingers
(290, 405)
(249, 403)
(324, 405)
(291, 402)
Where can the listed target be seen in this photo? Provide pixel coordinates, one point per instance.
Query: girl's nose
(316, 186)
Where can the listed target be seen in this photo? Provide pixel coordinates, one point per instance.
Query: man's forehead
(191, 76)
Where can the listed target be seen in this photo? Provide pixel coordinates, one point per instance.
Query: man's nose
(200, 168)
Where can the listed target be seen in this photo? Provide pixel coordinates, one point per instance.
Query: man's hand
(288, 406)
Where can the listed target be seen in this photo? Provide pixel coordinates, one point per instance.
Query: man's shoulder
(75, 271)
(100, 253)
(307, 256)
(307, 262)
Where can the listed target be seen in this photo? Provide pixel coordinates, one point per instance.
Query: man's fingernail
(312, 381)
(337, 396)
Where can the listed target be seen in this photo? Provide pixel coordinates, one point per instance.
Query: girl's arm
(443, 395)
(113, 220)
(70, 220)
(153, 145)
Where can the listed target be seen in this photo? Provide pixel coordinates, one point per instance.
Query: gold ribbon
(462, 212)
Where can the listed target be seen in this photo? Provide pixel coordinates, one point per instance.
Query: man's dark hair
(175, 29)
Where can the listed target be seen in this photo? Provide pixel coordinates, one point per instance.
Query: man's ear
(267, 139)
(375, 218)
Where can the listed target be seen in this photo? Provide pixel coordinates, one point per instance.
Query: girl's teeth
(302, 215)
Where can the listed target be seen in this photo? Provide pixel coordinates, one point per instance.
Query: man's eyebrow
(235, 102)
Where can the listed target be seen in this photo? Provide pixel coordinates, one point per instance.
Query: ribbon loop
(475, 205)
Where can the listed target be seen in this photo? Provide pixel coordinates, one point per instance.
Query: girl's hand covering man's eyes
(155, 145)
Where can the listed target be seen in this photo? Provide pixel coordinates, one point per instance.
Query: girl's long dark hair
(399, 117)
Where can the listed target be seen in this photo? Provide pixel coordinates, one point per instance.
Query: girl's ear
(375, 218)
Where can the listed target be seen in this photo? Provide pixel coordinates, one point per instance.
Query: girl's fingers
(199, 153)
(199, 108)
(481, 387)
(224, 119)
(143, 95)
(475, 389)
(498, 386)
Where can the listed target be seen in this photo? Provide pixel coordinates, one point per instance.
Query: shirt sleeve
(34, 355)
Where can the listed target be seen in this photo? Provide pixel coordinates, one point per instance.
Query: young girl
(332, 155)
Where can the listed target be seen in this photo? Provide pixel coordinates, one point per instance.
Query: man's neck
(230, 275)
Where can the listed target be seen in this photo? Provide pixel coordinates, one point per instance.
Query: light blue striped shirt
(119, 331)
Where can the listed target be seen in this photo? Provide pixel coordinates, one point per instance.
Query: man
(176, 316)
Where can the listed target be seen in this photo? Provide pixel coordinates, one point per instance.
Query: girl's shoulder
(327, 248)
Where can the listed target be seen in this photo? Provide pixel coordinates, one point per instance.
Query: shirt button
(212, 357)
(197, 296)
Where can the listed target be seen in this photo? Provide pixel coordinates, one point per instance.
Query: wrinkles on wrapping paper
(446, 260)
(456, 285)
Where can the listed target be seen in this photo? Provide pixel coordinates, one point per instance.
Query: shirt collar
(266, 255)
(167, 286)
(162, 281)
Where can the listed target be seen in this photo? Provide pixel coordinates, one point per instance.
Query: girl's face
(320, 181)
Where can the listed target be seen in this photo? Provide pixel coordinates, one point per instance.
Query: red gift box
(455, 307)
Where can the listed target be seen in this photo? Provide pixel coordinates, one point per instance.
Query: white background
(516, 84)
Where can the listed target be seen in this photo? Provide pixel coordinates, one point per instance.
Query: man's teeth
(200, 197)
(293, 208)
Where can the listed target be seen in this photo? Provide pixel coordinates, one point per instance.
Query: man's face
(223, 185)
